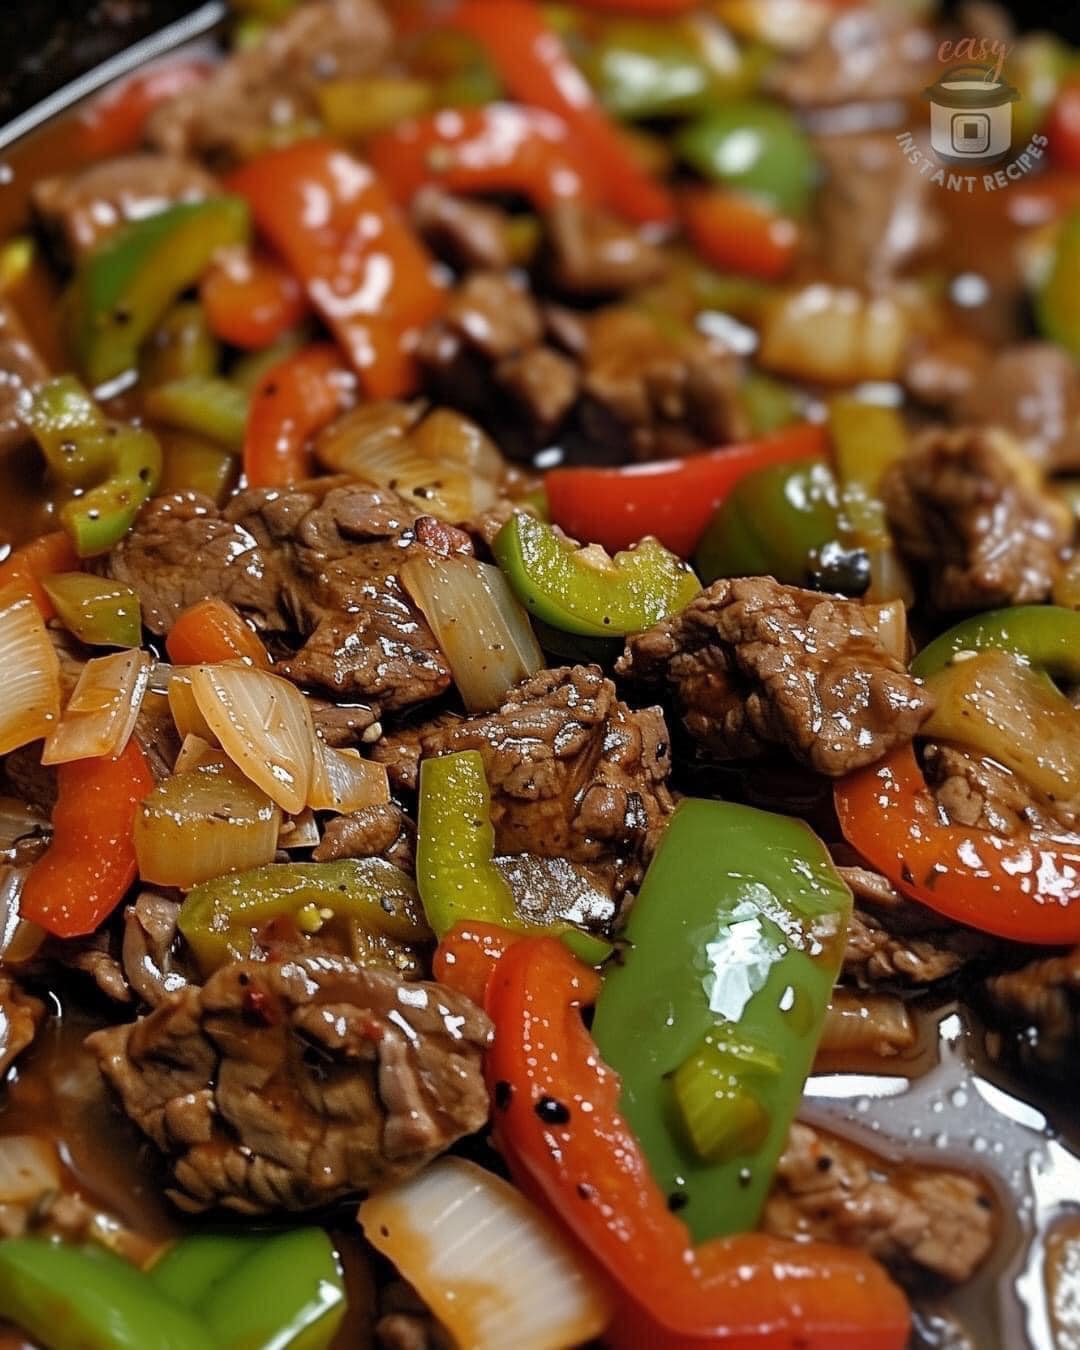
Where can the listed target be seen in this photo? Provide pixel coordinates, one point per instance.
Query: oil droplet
(862, 1105)
(958, 1097)
(979, 1144)
(940, 1140)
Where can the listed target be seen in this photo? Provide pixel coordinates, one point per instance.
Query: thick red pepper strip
(1025, 888)
(90, 863)
(673, 499)
(468, 954)
(293, 400)
(537, 70)
(113, 123)
(738, 234)
(500, 148)
(558, 1125)
(366, 274)
(39, 558)
(250, 299)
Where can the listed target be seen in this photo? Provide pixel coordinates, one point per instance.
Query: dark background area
(46, 43)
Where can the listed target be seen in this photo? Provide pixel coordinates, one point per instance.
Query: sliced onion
(19, 821)
(19, 938)
(833, 334)
(185, 711)
(343, 780)
(300, 831)
(29, 672)
(263, 724)
(490, 1266)
(201, 824)
(890, 620)
(447, 436)
(101, 713)
(193, 752)
(29, 1169)
(484, 633)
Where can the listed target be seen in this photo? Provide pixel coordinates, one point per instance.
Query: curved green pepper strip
(756, 147)
(584, 590)
(455, 857)
(181, 345)
(285, 1291)
(103, 515)
(71, 430)
(1048, 636)
(98, 611)
(128, 282)
(70, 1298)
(734, 943)
(219, 917)
(204, 404)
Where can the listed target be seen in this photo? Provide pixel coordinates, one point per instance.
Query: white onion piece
(29, 1169)
(263, 724)
(343, 780)
(193, 752)
(201, 824)
(490, 1266)
(19, 938)
(833, 334)
(19, 821)
(101, 713)
(890, 620)
(29, 672)
(185, 711)
(484, 633)
(300, 831)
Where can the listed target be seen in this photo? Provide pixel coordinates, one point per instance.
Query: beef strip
(20, 1017)
(21, 370)
(323, 561)
(752, 664)
(974, 790)
(373, 831)
(941, 368)
(96, 956)
(400, 751)
(1040, 1005)
(592, 253)
(466, 234)
(968, 508)
(285, 1086)
(573, 772)
(865, 55)
(876, 214)
(272, 86)
(407, 1323)
(153, 967)
(543, 384)
(83, 207)
(342, 724)
(920, 1221)
(1032, 390)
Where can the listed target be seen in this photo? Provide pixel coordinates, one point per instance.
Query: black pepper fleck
(552, 1112)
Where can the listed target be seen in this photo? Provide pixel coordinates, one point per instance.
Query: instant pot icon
(971, 115)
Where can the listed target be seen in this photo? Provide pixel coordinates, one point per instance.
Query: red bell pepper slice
(1063, 127)
(468, 954)
(250, 299)
(673, 499)
(1025, 888)
(212, 630)
(366, 274)
(500, 148)
(113, 123)
(737, 234)
(558, 1125)
(293, 400)
(83, 874)
(536, 68)
(41, 557)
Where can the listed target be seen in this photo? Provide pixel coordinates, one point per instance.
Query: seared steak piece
(284, 1086)
(573, 772)
(463, 233)
(918, 1220)
(84, 206)
(968, 508)
(260, 89)
(974, 790)
(375, 831)
(592, 253)
(751, 665)
(1031, 389)
(1040, 1005)
(152, 965)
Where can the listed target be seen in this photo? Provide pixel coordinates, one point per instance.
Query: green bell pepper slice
(733, 947)
(456, 871)
(783, 521)
(769, 404)
(129, 281)
(71, 1298)
(72, 432)
(204, 404)
(285, 1290)
(1048, 636)
(104, 514)
(97, 610)
(1057, 303)
(755, 147)
(379, 900)
(583, 590)
(194, 464)
(180, 346)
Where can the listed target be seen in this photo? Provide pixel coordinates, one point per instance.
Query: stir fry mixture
(538, 609)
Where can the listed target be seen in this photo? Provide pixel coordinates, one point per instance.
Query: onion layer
(29, 672)
(342, 780)
(103, 708)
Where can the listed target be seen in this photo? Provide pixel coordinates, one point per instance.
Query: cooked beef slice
(967, 508)
(940, 368)
(20, 1017)
(21, 369)
(152, 964)
(592, 253)
(407, 1323)
(865, 55)
(400, 750)
(97, 956)
(920, 1221)
(84, 206)
(751, 665)
(974, 790)
(1040, 1005)
(271, 86)
(542, 384)
(373, 831)
(322, 562)
(284, 1086)
(342, 724)
(466, 234)
(876, 214)
(573, 772)
(1031, 389)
